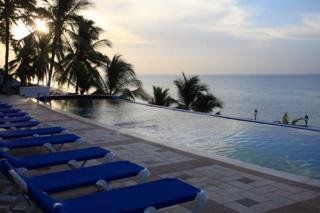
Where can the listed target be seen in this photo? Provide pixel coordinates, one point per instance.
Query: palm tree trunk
(77, 88)
(7, 45)
(51, 67)
(54, 48)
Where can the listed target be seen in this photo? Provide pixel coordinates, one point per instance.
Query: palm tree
(82, 59)
(286, 120)
(206, 103)
(194, 95)
(22, 65)
(161, 97)
(10, 12)
(188, 90)
(61, 14)
(41, 61)
(121, 80)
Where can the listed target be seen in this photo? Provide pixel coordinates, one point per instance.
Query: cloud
(308, 29)
(144, 21)
(206, 36)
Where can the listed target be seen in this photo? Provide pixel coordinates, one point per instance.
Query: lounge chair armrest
(49, 147)
(109, 157)
(102, 185)
(143, 175)
(150, 209)
(57, 207)
(80, 140)
(73, 164)
(201, 200)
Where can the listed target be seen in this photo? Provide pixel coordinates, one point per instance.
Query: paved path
(230, 188)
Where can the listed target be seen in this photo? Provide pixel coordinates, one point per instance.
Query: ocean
(271, 95)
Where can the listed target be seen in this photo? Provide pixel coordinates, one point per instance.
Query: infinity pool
(290, 150)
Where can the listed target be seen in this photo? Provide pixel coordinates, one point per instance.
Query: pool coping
(313, 129)
(230, 117)
(285, 176)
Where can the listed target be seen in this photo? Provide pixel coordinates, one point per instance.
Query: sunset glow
(20, 30)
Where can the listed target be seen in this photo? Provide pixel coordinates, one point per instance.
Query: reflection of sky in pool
(290, 150)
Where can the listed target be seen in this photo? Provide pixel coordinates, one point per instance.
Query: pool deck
(231, 188)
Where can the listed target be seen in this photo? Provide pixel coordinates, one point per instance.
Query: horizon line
(235, 74)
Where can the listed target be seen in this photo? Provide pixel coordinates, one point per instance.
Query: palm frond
(161, 97)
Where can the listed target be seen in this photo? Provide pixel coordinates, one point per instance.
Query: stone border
(314, 129)
(285, 176)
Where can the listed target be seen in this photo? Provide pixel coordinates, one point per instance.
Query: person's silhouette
(255, 114)
(306, 119)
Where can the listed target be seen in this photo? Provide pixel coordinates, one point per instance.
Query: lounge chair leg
(150, 209)
(143, 175)
(201, 200)
(60, 147)
(102, 185)
(83, 163)
(13, 205)
(49, 147)
(32, 208)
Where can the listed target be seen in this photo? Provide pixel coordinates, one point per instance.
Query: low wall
(34, 91)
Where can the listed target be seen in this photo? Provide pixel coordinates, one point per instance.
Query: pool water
(285, 149)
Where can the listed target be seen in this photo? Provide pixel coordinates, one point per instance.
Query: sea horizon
(235, 74)
(271, 95)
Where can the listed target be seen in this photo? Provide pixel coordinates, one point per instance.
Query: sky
(212, 36)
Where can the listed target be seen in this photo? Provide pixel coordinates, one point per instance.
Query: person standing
(306, 119)
(255, 114)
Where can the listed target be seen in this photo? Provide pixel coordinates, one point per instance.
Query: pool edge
(286, 176)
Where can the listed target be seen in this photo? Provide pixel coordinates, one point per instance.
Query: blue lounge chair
(30, 132)
(15, 119)
(5, 106)
(46, 141)
(9, 110)
(17, 125)
(146, 197)
(14, 114)
(98, 175)
(71, 157)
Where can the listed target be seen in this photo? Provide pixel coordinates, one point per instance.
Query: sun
(41, 26)
(20, 30)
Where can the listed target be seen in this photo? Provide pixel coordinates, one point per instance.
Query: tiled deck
(230, 188)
